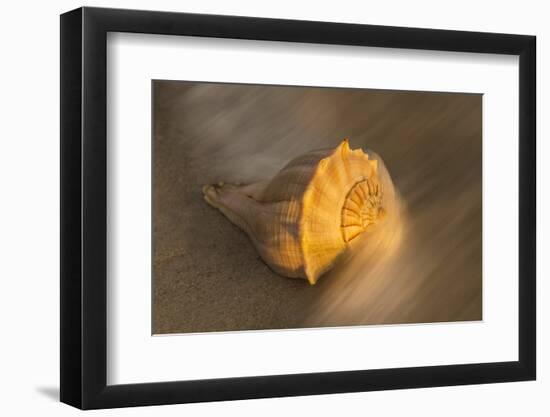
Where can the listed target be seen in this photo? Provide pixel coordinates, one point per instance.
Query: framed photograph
(258, 208)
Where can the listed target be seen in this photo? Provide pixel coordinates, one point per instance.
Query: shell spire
(306, 217)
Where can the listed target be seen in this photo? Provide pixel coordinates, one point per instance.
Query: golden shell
(305, 218)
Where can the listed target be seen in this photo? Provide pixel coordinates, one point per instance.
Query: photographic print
(289, 207)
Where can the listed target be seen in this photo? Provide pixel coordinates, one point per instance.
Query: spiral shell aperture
(306, 217)
(336, 207)
(362, 208)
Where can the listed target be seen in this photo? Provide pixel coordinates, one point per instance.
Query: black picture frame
(84, 207)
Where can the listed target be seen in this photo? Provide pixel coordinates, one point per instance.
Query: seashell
(305, 218)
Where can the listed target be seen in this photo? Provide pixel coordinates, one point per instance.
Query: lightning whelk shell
(307, 216)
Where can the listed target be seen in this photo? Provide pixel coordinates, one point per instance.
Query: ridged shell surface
(305, 218)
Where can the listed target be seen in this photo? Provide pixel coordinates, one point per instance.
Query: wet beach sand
(207, 276)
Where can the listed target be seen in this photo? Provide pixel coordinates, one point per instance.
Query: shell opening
(362, 207)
